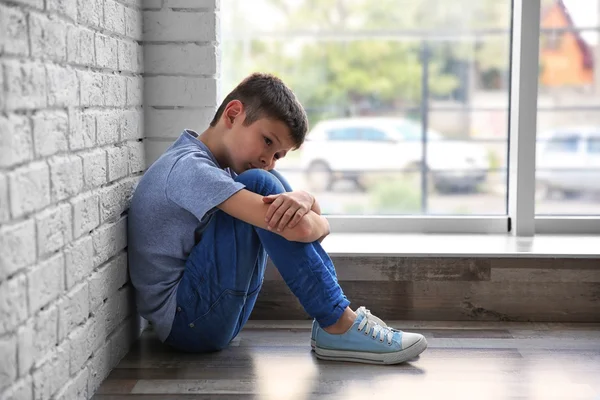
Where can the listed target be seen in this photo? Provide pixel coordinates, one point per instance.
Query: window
(561, 145)
(374, 135)
(593, 145)
(398, 67)
(434, 78)
(343, 134)
(567, 172)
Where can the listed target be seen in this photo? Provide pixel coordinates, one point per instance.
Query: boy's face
(258, 145)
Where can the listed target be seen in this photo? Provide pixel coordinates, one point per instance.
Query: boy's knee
(261, 182)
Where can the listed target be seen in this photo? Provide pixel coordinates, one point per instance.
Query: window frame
(521, 219)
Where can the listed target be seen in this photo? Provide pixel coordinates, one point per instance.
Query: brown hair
(266, 96)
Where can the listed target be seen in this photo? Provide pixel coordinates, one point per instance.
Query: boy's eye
(268, 141)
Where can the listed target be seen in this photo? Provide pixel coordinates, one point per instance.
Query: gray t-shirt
(171, 206)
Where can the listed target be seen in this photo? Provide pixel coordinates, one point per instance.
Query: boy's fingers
(285, 218)
(277, 216)
(297, 217)
(274, 206)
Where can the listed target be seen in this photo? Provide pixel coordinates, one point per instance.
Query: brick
(91, 88)
(121, 341)
(13, 303)
(82, 129)
(67, 8)
(4, 206)
(53, 375)
(20, 390)
(99, 367)
(50, 132)
(80, 41)
(94, 168)
(174, 26)
(108, 240)
(115, 90)
(90, 12)
(137, 157)
(79, 344)
(86, 215)
(79, 260)
(16, 142)
(36, 338)
(29, 188)
(108, 126)
(26, 85)
(106, 51)
(133, 3)
(39, 4)
(73, 310)
(3, 97)
(130, 56)
(114, 17)
(114, 199)
(107, 280)
(135, 93)
(180, 91)
(133, 24)
(46, 282)
(132, 125)
(8, 366)
(54, 229)
(13, 25)
(117, 308)
(48, 37)
(63, 86)
(152, 4)
(117, 162)
(66, 175)
(171, 123)
(155, 148)
(17, 247)
(76, 388)
(209, 4)
(188, 58)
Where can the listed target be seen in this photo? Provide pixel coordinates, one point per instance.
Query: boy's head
(264, 120)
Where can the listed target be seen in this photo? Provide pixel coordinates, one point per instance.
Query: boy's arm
(249, 207)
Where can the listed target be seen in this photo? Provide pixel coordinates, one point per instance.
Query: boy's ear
(233, 110)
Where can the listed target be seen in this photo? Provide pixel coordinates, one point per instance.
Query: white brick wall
(181, 62)
(73, 107)
(71, 153)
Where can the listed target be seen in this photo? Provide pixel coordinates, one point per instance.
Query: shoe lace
(378, 327)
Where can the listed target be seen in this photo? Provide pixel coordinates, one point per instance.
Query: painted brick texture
(71, 154)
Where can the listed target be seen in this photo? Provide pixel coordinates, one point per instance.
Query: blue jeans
(225, 271)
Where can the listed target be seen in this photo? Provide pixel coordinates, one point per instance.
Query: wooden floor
(470, 360)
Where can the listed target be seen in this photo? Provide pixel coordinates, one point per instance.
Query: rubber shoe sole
(396, 357)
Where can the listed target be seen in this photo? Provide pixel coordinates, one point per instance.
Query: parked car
(352, 147)
(568, 162)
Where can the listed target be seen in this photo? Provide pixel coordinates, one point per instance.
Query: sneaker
(369, 340)
(313, 334)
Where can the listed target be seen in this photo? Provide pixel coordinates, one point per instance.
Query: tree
(347, 74)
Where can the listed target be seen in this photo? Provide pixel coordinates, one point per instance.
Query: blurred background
(408, 100)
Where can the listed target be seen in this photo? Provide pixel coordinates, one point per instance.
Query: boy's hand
(287, 209)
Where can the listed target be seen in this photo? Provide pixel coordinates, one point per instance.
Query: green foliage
(395, 197)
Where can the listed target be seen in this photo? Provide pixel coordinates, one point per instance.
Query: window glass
(568, 176)
(406, 63)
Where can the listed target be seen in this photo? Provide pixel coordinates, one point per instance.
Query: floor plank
(272, 360)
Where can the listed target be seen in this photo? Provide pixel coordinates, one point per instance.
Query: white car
(568, 162)
(350, 148)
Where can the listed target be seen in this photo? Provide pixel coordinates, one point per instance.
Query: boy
(206, 214)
